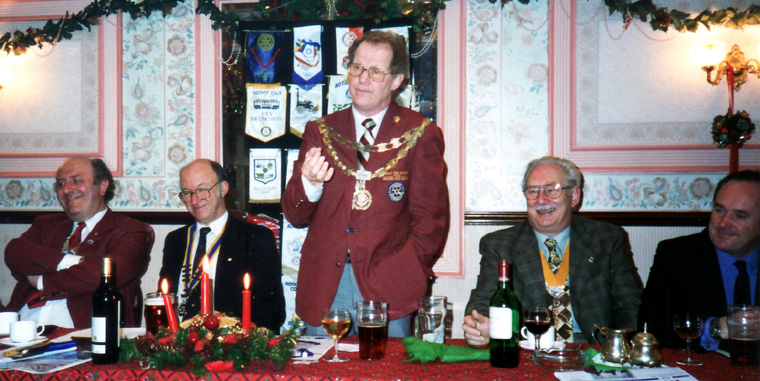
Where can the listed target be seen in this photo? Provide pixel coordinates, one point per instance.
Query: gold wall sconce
(712, 57)
(6, 74)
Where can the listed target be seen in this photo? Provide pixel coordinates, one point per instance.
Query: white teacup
(6, 318)
(546, 340)
(25, 331)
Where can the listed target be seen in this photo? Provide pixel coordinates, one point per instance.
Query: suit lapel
(224, 259)
(530, 288)
(581, 256)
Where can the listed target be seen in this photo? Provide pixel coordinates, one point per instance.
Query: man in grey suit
(580, 268)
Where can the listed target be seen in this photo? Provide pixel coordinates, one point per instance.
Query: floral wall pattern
(158, 118)
(508, 120)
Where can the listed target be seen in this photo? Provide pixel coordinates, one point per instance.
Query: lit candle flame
(247, 281)
(164, 286)
(205, 264)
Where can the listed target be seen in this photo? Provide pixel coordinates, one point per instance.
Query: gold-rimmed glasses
(552, 191)
(375, 73)
(201, 193)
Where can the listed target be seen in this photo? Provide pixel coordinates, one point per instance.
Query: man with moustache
(57, 262)
(232, 247)
(580, 268)
(370, 183)
(703, 273)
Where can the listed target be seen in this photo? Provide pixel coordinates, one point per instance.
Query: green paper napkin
(423, 351)
(599, 364)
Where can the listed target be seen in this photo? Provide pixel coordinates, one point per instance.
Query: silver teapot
(645, 350)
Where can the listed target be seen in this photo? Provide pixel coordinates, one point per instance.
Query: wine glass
(537, 320)
(688, 327)
(336, 321)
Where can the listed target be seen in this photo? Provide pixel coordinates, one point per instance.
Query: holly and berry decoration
(732, 129)
(213, 342)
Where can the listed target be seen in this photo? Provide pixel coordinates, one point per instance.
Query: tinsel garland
(422, 12)
(206, 345)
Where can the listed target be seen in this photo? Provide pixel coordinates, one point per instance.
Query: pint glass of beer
(744, 335)
(372, 320)
(155, 311)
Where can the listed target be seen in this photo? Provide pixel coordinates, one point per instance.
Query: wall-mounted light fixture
(712, 57)
(5, 75)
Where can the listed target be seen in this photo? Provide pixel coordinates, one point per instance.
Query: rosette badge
(732, 129)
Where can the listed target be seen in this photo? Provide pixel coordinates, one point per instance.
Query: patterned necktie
(200, 251)
(37, 299)
(741, 287)
(554, 259)
(368, 138)
(76, 237)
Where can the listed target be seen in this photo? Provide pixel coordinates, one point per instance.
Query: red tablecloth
(392, 367)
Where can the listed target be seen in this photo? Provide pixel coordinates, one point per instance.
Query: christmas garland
(422, 12)
(210, 343)
(732, 129)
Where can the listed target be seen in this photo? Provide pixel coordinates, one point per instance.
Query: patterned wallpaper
(507, 116)
(508, 119)
(158, 124)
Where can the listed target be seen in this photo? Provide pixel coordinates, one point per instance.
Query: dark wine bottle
(106, 318)
(504, 315)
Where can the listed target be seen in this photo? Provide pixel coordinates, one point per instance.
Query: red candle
(246, 318)
(205, 290)
(170, 316)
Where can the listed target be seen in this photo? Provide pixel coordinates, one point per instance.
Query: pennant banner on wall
(307, 55)
(265, 185)
(292, 241)
(305, 105)
(344, 37)
(263, 54)
(265, 111)
(338, 97)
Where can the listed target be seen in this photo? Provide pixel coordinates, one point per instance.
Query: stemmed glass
(537, 320)
(336, 321)
(688, 327)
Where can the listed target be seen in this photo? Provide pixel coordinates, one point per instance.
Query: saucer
(556, 345)
(7, 341)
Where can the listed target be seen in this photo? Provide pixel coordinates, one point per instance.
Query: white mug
(25, 330)
(6, 318)
(546, 340)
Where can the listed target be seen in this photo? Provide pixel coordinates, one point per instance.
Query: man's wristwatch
(715, 329)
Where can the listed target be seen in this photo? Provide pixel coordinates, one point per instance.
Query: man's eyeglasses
(552, 191)
(375, 73)
(201, 193)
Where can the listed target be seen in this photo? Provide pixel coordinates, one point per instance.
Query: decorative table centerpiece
(210, 342)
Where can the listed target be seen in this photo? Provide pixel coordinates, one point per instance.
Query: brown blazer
(395, 242)
(38, 251)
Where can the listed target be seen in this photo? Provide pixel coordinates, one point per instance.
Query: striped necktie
(368, 138)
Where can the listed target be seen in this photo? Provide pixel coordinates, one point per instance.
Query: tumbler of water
(431, 314)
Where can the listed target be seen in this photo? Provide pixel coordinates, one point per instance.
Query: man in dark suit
(375, 200)
(582, 269)
(233, 248)
(57, 262)
(700, 273)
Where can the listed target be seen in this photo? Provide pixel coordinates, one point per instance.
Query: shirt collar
(359, 118)
(92, 221)
(216, 225)
(563, 238)
(727, 260)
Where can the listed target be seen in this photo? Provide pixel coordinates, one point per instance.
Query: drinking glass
(336, 322)
(688, 327)
(537, 320)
